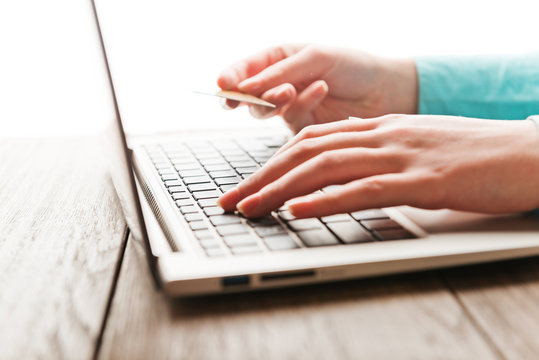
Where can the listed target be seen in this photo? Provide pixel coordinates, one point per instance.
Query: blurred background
(162, 50)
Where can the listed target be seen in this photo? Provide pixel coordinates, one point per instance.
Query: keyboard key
(220, 167)
(206, 194)
(161, 164)
(176, 189)
(196, 179)
(243, 164)
(222, 174)
(350, 232)
(213, 210)
(180, 196)
(280, 242)
(336, 218)
(166, 171)
(203, 234)
(225, 219)
(166, 177)
(262, 159)
(286, 215)
(228, 180)
(209, 243)
(198, 225)
(379, 224)
(247, 170)
(187, 166)
(215, 252)
(265, 231)
(225, 188)
(318, 237)
(212, 161)
(267, 153)
(239, 240)
(208, 202)
(225, 145)
(193, 217)
(171, 183)
(225, 230)
(246, 250)
(369, 214)
(394, 234)
(263, 221)
(210, 154)
(237, 157)
(184, 202)
(202, 186)
(304, 224)
(188, 173)
(188, 209)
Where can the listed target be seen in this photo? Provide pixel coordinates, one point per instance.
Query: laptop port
(287, 275)
(235, 280)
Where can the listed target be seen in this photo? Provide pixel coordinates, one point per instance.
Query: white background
(161, 50)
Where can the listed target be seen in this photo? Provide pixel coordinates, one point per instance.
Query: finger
(229, 104)
(278, 166)
(280, 96)
(243, 69)
(315, 131)
(332, 167)
(299, 111)
(378, 191)
(300, 68)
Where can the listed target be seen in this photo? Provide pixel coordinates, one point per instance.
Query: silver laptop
(168, 189)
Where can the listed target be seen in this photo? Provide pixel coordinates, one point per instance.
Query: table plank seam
(481, 331)
(112, 291)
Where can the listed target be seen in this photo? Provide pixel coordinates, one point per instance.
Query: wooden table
(74, 286)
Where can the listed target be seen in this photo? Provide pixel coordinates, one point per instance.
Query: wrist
(400, 84)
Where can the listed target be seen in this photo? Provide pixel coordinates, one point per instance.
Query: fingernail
(283, 94)
(249, 205)
(226, 79)
(229, 199)
(301, 208)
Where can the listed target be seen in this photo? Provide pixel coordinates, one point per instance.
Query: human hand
(430, 162)
(313, 84)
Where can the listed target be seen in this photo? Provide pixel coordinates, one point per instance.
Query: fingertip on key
(229, 199)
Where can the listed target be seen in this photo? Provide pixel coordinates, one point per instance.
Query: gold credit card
(237, 96)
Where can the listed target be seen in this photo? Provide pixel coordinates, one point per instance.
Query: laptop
(168, 189)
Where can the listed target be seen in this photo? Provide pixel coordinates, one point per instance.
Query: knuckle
(317, 52)
(326, 160)
(374, 186)
(307, 132)
(389, 119)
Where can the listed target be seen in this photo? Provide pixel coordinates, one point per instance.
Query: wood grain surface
(503, 299)
(410, 317)
(61, 235)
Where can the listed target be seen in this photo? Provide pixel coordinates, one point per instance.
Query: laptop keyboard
(195, 174)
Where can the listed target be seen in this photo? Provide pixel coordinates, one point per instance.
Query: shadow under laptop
(380, 296)
(424, 284)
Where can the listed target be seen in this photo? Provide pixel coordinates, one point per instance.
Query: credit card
(238, 96)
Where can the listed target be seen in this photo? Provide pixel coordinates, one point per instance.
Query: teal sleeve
(481, 87)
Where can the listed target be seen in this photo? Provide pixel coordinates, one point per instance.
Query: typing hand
(429, 162)
(314, 85)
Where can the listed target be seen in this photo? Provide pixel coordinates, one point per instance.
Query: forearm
(482, 87)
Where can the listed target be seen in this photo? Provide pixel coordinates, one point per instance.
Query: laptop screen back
(114, 143)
